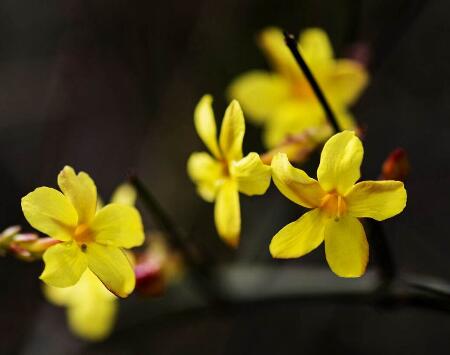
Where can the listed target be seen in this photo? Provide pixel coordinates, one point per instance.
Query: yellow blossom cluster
(294, 123)
(282, 100)
(87, 263)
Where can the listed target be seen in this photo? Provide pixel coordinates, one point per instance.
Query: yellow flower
(223, 175)
(283, 100)
(89, 238)
(336, 203)
(91, 308)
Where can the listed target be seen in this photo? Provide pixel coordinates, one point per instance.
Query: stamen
(334, 206)
(82, 234)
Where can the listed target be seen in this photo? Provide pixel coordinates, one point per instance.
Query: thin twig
(383, 255)
(292, 45)
(177, 240)
(174, 235)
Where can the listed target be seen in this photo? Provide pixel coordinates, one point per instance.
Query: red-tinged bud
(25, 246)
(360, 52)
(396, 166)
(6, 238)
(157, 267)
(7, 235)
(26, 238)
(29, 246)
(149, 278)
(20, 252)
(37, 245)
(10, 231)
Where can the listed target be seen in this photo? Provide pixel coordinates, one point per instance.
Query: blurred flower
(396, 166)
(88, 238)
(299, 146)
(283, 100)
(158, 266)
(336, 203)
(222, 176)
(124, 194)
(91, 308)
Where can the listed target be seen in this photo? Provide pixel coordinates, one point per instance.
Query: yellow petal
(252, 176)
(81, 191)
(112, 267)
(50, 212)
(292, 118)
(64, 264)
(340, 162)
(92, 310)
(59, 296)
(205, 172)
(93, 319)
(88, 288)
(300, 237)
(205, 124)
(345, 82)
(295, 184)
(271, 41)
(316, 47)
(259, 93)
(118, 225)
(346, 247)
(376, 199)
(227, 213)
(232, 132)
(124, 194)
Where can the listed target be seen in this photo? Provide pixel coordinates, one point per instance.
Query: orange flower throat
(83, 235)
(334, 205)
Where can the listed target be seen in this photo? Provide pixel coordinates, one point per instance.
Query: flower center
(301, 89)
(225, 168)
(334, 205)
(83, 235)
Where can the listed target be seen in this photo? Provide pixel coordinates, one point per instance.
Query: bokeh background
(109, 87)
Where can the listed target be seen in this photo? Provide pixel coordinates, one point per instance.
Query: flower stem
(291, 42)
(178, 240)
(383, 255)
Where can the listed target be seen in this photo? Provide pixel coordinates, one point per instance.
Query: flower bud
(396, 166)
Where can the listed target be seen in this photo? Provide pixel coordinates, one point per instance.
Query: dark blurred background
(109, 87)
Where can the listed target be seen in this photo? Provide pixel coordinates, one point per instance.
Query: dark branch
(382, 253)
(164, 222)
(292, 45)
(177, 240)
